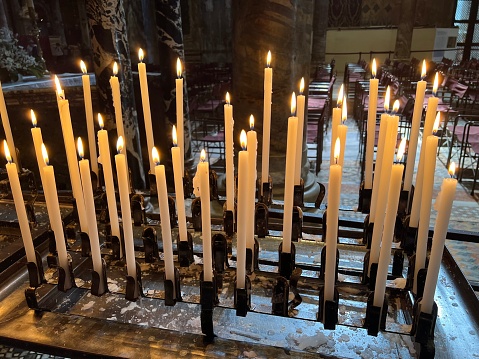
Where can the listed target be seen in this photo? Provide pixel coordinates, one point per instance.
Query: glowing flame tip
(100, 121)
(119, 144)
(228, 99)
(396, 106)
(251, 122)
(301, 86)
(401, 149)
(424, 70)
(83, 67)
(203, 155)
(141, 55)
(174, 136)
(34, 118)
(293, 104)
(243, 139)
(373, 70)
(80, 147)
(155, 156)
(178, 67)
(337, 149)
(7, 152)
(45, 154)
(268, 59)
(115, 69)
(436, 84)
(452, 169)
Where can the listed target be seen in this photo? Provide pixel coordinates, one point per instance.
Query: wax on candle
(371, 127)
(243, 209)
(301, 99)
(336, 120)
(37, 144)
(180, 198)
(289, 177)
(342, 131)
(268, 90)
(89, 117)
(179, 114)
(251, 191)
(6, 126)
(229, 153)
(203, 174)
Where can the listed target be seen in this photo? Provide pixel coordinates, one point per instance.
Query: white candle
(268, 90)
(180, 197)
(90, 213)
(342, 131)
(334, 193)
(242, 213)
(432, 103)
(179, 114)
(37, 144)
(252, 150)
(164, 216)
(12, 172)
(229, 153)
(69, 140)
(389, 224)
(51, 198)
(301, 99)
(105, 157)
(123, 189)
(336, 121)
(6, 126)
(371, 128)
(203, 174)
(416, 123)
(89, 118)
(443, 206)
(145, 101)
(426, 199)
(289, 177)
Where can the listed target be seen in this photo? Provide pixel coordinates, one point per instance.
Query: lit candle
(12, 172)
(289, 177)
(164, 215)
(51, 198)
(69, 140)
(123, 189)
(252, 150)
(416, 123)
(105, 158)
(180, 198)
(203, 174)
(37, 144)
(334, 193)
(371, 128)
(90, 213)
(229, 153)
(336, 120)
(242, 212)
(179, 114)
(389, 224)
(432, 103)
(301, 99)
(426, 199)
(268, 90)
(89, 118)
(443, 206)
(342, 131)
(6, 126)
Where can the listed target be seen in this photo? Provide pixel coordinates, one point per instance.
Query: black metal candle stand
(423, 331)
(298, 194)
(52, 250)
(117, 244)
(150, 244)
(242, 298)
(252, 257)
(134, 287)
(152, 183)
(185, 250)
(95, 183)
(196, 214)
(228, 222)
(328, 310)
(208, 300)
(187, 185)
(323, 264)
(365, 194)
(220, 253)
(409, 236)
(173, 289)
(36, 275)
(375, 316)
(261, 219)
(266, 195)
(421, 277)
(370, 271)
(287, 261)
(137, 203)
(368, 229)
(85, 244)
(99, 283)
(280, 297)
(404, 204)
(213, 185)
(297, 225)
(172, 210)
(66, 281)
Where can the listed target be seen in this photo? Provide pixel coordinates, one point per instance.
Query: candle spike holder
(368, 229)
(173, 289)
(101, 177)
(423, 330)
(99, 283)
(52, 250)
(152, 183)
(242, 298)
(36, 275)
(375, 316)
(365, 194)
(138, 209)
(293, 286)
(32, 218)
(134, 287)
(287, 261)
(404, 205)
(85, 244)
(421, 282)
(398, 263)
(117, 244)
(208, 300)
(213, 185)
(228, 222)
(410, 271)
(172, 209)
(321, 195)
(252, 257)
(220, 253)
(261, 219)
(328, 310)
(280, 295)
(150, 244)
(130, 182)
(187, 185)
(31, 298)
(409, 237)
(297, 225)
(66, 280)
(298, 196)
(370, 271)
(185, 250)
(196, 214)
(104, 214)
(266, 196)
(94, 182)
(323, 264)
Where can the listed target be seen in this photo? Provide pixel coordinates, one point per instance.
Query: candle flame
(83, 67)
(58, 86)
(243, 140)
(344, 110)
(80, 147)
(45, 154)
(293, 104)
(228, 100)
(387, 99)
(301, 86)
(175, 136)
(373, 70)
(423, 72)
(251, 122)
(452, 169)
(155, 156)
(268, 59)
(203, 155)
(7, 151)
(340, 96)
(396, 106)
(436, 84)
(34, 118)
(401, 149)
(140, 54)
(337, 150)
(437, 121)
(178, 67)
(100, 121)
(115, 69)
(119, 144)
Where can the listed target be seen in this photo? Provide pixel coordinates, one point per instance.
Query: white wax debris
(89, 305)
(400, 283)
(131, 306)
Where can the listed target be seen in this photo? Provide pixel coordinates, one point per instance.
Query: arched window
(467, 19)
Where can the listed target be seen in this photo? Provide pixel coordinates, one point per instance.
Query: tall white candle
(51, 198)
(37, 144)
(69, 140)
(229, 153)
(289, 177)
(416, 123)
(336, 121)
(252, 150)
(432, 103)
(342, 131)
(179, 114)
(389, 224)
(371, 128)
(164, 216)
(203, 174)
(242, 212)
(90, 213)
(180, 197)
(6, 126)
(334, 193)
(301, 99)
(89, 117)
(268, 91)
(12, 172)
(443, 206)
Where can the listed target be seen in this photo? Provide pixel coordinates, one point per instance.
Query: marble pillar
(320, 26)
(405, 29)
(109, 40)
(151, 34)
(3, 15)
(170, 46)
(136, 33)
(285, 28)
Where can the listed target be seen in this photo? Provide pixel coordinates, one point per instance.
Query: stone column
(109, 41)
(405, 29)
(284, 27)
(3, 15)
(151, 34)
(320, 26)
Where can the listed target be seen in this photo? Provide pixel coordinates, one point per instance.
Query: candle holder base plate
(173, 290)
(36, 275)
(266, 195)
(323, 263)
(298, 196)
(134, 287)
(242, 298)
(150, 244)
(99, 283)
(208, 300)
(365, 194)
(185, 250)
(328, 310)
(375, 316)
(261, 219)
(287, 261)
